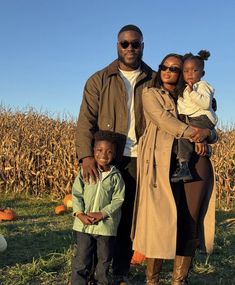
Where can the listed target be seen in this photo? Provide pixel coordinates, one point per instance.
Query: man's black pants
(123, 246)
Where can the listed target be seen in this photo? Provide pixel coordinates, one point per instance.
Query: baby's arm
(202, 96)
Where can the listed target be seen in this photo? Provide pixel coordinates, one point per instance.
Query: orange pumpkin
(60, 209)
(68, 201)
(7, 215)
(137, 258)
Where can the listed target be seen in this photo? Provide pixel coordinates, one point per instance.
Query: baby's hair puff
(204, 54)
(201, 56)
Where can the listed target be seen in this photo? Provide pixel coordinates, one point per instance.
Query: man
(112, 101)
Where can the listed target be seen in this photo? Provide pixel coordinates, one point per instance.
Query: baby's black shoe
(182, 173)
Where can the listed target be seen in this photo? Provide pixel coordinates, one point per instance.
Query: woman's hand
(89, 169)
(199, 135)
(201, 148)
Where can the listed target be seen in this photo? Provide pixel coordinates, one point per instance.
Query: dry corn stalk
(224, 163)
(37, 153)
(37, 156)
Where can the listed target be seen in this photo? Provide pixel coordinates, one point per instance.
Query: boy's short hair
(109, 136)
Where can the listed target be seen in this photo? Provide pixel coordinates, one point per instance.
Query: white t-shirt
(129, 78)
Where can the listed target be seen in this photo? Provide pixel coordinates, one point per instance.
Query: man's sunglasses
(134, 45)
(174, 69)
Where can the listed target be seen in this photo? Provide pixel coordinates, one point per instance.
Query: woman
(167, 216)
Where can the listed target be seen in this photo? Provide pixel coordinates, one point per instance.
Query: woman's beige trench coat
(154, 226)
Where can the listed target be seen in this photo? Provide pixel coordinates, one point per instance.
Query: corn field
(37, 154)
(224, 164)
(38, 157)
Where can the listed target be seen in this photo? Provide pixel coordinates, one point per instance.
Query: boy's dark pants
(83, 259)
(185, 147)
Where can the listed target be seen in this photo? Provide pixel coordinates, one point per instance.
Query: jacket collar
(113, 68)
(164, 92)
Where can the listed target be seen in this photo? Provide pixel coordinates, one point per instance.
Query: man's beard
(134, 64)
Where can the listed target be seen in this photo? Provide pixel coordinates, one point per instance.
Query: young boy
(97, 211)
(196, 105)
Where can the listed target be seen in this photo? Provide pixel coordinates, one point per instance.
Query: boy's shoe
(182, 173)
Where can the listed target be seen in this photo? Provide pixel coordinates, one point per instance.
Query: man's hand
(89, 169)
(85, 219)
(201, 148)
(97, 216)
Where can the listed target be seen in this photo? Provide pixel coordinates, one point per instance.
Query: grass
(40, 248)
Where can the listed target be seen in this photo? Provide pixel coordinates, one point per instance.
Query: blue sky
(49, 48)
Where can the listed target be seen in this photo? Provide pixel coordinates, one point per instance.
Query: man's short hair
(130, 28)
